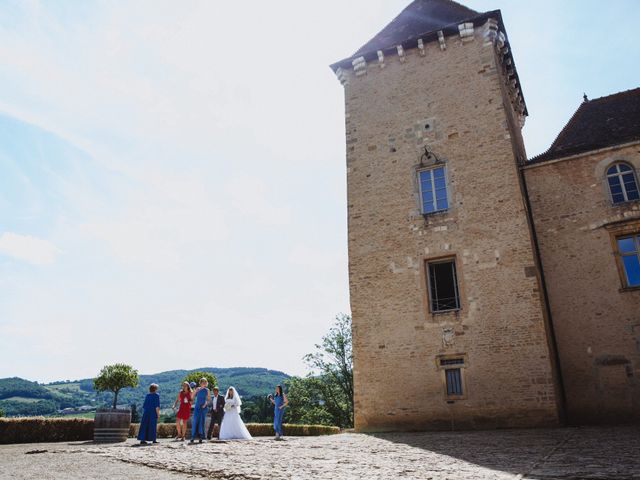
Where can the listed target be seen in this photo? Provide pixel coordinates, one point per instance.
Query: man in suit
(217, 411)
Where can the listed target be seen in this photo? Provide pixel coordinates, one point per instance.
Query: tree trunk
(115, 398)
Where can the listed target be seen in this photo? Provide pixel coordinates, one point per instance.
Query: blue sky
(173, 189)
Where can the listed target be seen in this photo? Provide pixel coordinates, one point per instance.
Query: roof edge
(576, 153)
(412, 42)
(500, 38)
(551, 154)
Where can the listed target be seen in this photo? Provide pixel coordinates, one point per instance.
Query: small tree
(196, 376)
(114, 378)
(1, 413)
(332, 364)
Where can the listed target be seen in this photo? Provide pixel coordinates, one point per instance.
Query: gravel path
(572, 453)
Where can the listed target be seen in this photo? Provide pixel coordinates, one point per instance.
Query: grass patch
(64, 386)
(89, 415)
(21, 399)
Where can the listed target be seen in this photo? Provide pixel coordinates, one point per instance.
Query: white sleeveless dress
(233, 428)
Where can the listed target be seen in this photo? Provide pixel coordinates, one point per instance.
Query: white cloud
(34, 250)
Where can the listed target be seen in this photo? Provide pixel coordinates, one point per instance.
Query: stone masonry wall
(597, 323)
(449, 100)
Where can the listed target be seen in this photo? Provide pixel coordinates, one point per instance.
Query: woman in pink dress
(185, 397)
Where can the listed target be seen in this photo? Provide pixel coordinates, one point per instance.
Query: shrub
(165, 430)
(309, 430)
(40, 429)
(261, 429)
(266, 430)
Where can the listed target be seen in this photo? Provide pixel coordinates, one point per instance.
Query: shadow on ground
(565, 453)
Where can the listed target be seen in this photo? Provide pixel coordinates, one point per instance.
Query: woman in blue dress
(202, 397)
(280, 402)
(149, 422)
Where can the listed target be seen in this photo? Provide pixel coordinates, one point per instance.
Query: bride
(232, 425)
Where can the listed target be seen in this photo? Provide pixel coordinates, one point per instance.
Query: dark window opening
(451, 361)
(443, 286)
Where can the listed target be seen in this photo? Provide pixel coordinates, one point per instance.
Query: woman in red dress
(185, 397)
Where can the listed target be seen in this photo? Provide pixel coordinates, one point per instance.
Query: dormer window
(623, 184)
(433, 189)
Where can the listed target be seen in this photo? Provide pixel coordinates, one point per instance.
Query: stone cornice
(488, 24)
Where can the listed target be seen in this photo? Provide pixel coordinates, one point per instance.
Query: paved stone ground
(572, 453)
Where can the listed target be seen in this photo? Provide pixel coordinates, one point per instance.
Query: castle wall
(597, 321)
(451, 101)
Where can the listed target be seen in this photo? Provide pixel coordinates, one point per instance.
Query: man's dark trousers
(217, 413)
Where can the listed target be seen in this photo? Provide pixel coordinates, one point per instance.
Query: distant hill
(22, 397)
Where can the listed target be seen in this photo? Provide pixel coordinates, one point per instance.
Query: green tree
(306, 405)
(257, 409)
(332, 365)
(196, 376)
(1, 413)
(325, 396)
(114, 378)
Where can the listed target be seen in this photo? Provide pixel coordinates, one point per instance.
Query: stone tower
(449, 325)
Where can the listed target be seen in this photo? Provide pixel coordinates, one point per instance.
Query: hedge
(40, 429)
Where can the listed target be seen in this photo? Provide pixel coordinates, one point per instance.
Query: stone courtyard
(571, 453)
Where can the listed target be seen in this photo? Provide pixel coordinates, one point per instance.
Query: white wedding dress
(233, 427)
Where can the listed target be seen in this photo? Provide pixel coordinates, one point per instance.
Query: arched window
(622, 183)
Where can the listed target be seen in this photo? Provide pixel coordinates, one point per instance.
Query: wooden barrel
(111, 426)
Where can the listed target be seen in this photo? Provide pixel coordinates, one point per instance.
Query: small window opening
(453, 375)
(443, 286)
(454, 381)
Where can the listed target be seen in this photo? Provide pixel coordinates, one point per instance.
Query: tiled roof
(599, 123)
(421, 16)
(422, 20)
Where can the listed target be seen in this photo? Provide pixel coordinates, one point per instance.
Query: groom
(217, 411)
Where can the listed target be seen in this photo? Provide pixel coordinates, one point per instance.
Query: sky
(172, 180)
